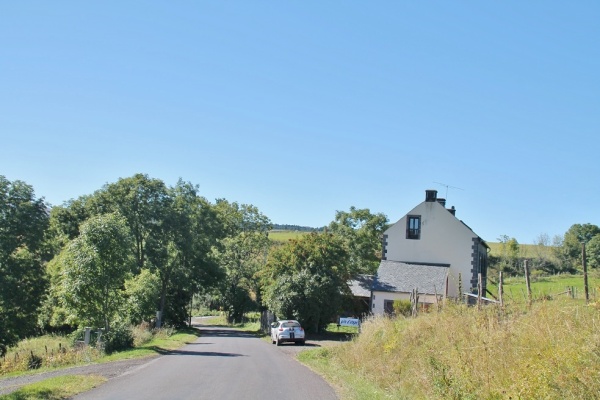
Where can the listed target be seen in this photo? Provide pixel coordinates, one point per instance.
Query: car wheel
(278, 341)
(272, 341)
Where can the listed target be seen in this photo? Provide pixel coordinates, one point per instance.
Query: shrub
(142, 334)
(120, 337)
(402, 307)
(33, 361)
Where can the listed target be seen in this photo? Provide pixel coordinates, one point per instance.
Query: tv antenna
(448, 186)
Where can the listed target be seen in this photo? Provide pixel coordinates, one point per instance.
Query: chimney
(452, 210)
(430, 196)
(442, 202)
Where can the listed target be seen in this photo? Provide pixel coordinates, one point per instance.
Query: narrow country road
(222, 364)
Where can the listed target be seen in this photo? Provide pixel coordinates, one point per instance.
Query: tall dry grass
(551, 351)
(49, 352)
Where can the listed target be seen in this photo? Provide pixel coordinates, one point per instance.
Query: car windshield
(290, 324)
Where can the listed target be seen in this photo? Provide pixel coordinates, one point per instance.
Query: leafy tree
(142, 292)
(173, 231)
(23, 221)
(145, 204)
(96, 264)
(306, 279)
(592, 251)
(571, 245)
(242, 254)
(509, 259)
(362, 232)
(182, 258)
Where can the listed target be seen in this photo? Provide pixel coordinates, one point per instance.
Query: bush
(120, 337)
(33, 361)
(142, 334)
(402, 307)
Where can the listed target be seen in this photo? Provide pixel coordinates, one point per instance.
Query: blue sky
(305, 108)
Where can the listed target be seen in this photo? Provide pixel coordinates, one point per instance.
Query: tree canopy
(306, 279)
(96, 264)
(23, 223)
(362, 233)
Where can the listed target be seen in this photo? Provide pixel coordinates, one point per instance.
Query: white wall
(444, 240)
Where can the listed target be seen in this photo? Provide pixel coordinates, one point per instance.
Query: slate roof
(395, 276)
(361, 285)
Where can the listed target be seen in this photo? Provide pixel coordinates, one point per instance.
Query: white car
(287, 330)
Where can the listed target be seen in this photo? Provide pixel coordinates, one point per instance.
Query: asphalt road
(222, 364)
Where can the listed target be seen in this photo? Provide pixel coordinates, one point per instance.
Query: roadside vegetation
(549, 351)
(49, 352)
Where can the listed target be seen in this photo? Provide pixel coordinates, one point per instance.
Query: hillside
(279, 234)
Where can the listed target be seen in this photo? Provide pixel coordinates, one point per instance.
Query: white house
(427, 250)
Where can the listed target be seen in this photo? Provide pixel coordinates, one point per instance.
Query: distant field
(284, 236)
(527, 250)
(552, 286)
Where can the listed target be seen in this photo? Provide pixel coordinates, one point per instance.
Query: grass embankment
(550, 351)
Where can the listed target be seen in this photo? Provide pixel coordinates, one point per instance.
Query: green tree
(145, 203)
(306, 279)
(182, 258)
(572, 242)
(242, 253)
(509, 259)
(592, 251)
(97, 263)
(142, 292)
(23, 222)
(362, 232)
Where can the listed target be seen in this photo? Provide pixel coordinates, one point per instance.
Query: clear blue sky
(305, 108)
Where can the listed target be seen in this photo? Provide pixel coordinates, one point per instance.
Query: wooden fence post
(479, 287)
(501, 290)
(527, 282)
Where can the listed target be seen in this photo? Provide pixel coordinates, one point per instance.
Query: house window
(413, 227)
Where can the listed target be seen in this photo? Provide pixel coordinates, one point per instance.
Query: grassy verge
(160, 344)
(62, 387)
(55, 352)
(550, 351)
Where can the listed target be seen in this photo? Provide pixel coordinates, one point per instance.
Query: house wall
(379, 298)
(443, 240)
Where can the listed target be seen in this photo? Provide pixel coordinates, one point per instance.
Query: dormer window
(413, 227)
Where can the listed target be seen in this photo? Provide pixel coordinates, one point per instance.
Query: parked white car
(287, 330)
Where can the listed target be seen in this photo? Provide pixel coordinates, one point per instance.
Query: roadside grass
(58, 388)
(55, 352)
(250, 322)
(550, 351)
(161, 343)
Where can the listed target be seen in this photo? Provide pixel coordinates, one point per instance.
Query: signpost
(355, 322)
